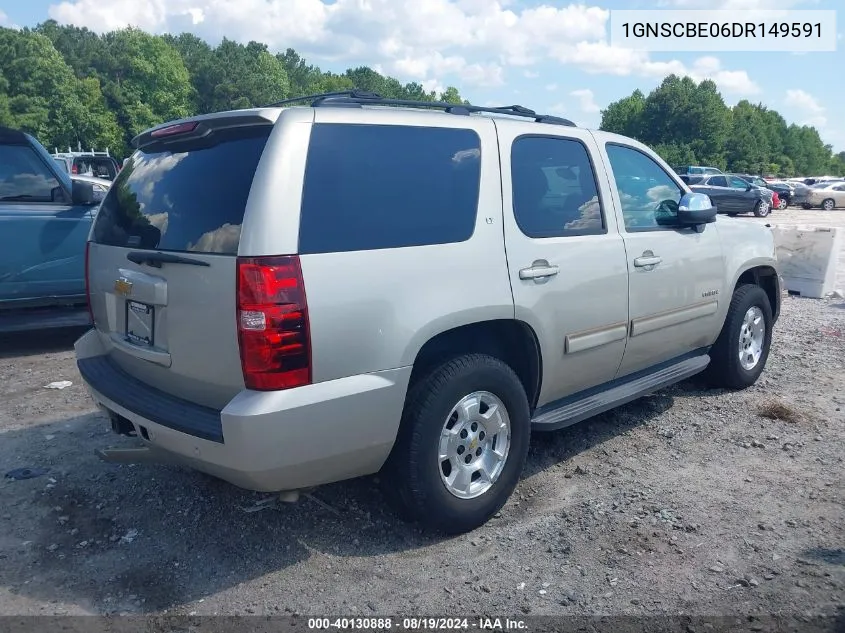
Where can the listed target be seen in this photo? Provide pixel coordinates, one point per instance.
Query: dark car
(785, 192)
(733, 195)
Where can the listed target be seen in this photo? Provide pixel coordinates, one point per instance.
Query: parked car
(783, 190)
(45, 217)
(828, 196)
(733, 195)
(97, 164)
(696, 170)
(414, 312)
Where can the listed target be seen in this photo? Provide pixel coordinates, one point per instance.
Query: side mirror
(82, 193)
(696, 208)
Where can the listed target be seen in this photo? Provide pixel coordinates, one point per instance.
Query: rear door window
(388, 186)
(99, 167)
(554, 188)
(190, 198)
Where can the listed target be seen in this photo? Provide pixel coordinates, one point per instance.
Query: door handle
(539, 270)
(646, 260)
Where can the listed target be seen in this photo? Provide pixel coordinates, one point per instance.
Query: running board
(571, 411)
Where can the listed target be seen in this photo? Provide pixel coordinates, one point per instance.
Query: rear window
(387, 186)
(186, 198)
(99, 167)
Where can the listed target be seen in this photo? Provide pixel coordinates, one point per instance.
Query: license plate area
(140, 323)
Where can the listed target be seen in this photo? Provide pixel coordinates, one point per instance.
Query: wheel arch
(765, 276)
(512, 341)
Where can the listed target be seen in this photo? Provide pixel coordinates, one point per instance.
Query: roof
(10, 136)
(356, 99)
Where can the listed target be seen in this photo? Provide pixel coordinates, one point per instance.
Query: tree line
(69, 86)
(690, 124)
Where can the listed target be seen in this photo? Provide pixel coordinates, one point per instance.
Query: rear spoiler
(199, 127)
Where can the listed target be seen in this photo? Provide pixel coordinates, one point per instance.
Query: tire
(806, 206)
(725, 368)
(413, 478)
(762, 209)
(732, 215)
(828, 204)
(783, 203)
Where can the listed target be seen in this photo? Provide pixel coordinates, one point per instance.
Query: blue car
(45, 217)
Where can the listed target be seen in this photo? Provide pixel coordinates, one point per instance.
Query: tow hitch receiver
(141, 455)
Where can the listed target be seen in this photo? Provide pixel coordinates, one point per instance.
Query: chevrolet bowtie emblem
(123, 287)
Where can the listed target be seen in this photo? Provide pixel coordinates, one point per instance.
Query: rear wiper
(23, 196)
(156, 259)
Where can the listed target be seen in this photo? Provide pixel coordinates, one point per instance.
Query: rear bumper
(266, 441)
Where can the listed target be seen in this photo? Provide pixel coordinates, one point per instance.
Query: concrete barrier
(808, 258)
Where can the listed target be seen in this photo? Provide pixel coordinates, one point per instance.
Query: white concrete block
(808, 256)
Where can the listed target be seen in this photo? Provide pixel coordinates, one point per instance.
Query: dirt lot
(688, 501)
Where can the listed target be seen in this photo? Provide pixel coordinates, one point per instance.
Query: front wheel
(462, 444)
(739, 355)
(806, 206)
(828, 205)
(762, 209)
(782, 204)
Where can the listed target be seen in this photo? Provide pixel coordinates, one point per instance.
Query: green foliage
(68, 85)
(689, 124)
(40, 94)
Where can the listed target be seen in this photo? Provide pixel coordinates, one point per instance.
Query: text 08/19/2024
(724, 31)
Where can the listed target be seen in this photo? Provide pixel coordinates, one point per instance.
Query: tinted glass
(738, 183)
(25, 178)
(718, 181)
(189, 198)
(648, 194)
(554, 188)
(388, 186)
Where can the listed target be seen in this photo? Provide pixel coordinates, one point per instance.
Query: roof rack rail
(361, 97)
(361, 94)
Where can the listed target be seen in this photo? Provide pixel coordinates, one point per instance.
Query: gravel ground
(688, 501)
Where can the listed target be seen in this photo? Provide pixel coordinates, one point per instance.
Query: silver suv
(294, 295)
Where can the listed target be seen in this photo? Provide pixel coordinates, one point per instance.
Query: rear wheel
(762, 209)
(782, 204)
(806, 206)
(828, 205)
(461, 446)
(739, 355)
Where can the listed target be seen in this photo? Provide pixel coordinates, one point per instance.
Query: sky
(553, 57)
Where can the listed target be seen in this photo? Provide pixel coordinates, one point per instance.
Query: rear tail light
(273, 331)
(177, 128)
(88, 281)
(74, 169)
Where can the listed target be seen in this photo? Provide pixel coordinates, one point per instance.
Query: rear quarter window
(388, 186)
(188, 198)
